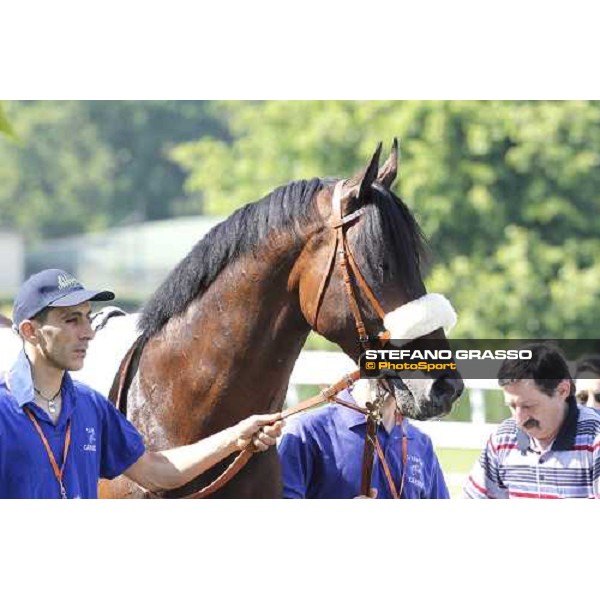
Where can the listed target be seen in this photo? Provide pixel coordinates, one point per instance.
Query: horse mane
(288, 209)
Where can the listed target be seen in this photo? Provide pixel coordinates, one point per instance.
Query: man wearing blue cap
(58, 437)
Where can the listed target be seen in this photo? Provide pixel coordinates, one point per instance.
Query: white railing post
(477, 401)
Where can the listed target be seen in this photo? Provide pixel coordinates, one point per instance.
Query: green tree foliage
(57, 180)
(139, 135)
(85, 166)
(507, 193)
(5, 126)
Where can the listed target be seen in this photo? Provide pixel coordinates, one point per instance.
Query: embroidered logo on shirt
(415, 471)
(91, 445)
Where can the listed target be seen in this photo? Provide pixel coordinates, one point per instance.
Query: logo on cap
(66, 281)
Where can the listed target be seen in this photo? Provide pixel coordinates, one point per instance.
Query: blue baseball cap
(51, 287)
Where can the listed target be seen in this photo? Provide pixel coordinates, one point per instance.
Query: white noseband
(420, 317)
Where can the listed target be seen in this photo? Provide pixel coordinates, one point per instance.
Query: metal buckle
(374, 411)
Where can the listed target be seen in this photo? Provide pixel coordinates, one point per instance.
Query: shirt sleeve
(484, 480)
(596, 468)
(296, 463)
(121, 444)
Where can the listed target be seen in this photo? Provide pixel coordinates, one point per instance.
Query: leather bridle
(349, 267)
(373, 410)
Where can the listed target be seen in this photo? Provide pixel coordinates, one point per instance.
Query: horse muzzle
(423, 399)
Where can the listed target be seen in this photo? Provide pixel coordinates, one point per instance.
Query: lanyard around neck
(388, 475)
(58, 473)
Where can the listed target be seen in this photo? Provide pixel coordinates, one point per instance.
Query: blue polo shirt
(321, 456)
(103, 442)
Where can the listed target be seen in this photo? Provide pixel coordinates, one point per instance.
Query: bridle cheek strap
(348, 264)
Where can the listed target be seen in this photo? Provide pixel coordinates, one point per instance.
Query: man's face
(588, 389)
(535, 412)
(62, 340)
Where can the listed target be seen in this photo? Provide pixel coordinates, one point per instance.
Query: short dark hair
(547, 367)
(589, 364)
(42, 316)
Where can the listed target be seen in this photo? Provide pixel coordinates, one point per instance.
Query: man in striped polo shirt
(550, 448)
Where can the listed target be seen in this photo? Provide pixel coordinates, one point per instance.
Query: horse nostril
(448, 388)
(459, 386)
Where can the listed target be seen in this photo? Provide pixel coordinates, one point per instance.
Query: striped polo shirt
(510, 466)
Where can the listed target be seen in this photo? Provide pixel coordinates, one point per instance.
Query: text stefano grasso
(411, 355)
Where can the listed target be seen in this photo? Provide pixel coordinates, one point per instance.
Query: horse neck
(258, 311)
(234, 348)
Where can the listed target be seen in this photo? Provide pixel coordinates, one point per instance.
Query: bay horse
(220, 336)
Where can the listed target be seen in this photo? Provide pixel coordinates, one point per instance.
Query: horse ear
(387, 173)
(360, 184)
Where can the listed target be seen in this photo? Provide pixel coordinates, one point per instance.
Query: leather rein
(373, 410)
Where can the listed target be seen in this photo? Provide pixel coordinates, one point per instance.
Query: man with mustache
(550, 448)
(58, 437)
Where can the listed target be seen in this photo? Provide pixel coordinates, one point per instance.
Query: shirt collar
(20, 382)
(565, 440)
(353, 419)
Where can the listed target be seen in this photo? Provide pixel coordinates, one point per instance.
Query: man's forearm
(169, 469)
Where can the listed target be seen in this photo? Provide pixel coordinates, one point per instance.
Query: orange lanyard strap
(58, 473)
(395, 493)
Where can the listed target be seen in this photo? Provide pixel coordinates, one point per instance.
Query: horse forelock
(391, 235)
(286, 211)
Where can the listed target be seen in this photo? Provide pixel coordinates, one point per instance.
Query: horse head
(359, 281)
